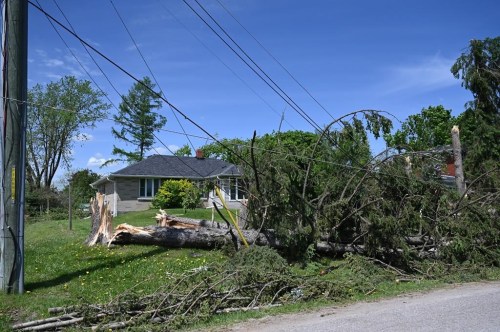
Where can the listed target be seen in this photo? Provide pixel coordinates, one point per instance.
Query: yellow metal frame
(223, 201)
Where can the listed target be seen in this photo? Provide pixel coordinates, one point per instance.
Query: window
(236, 190)
(149, 187)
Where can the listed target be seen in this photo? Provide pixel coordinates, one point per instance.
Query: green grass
(61, 271)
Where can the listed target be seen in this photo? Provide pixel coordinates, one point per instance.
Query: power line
(288, 100)
(74, 55)
(149, 68)
(123, 70)
(73, 31)
(246, 145)
(135, 79)
(274, 58)
(140, 82)
(223, 63)
(152, 91)
(275, 88)
(90, 76)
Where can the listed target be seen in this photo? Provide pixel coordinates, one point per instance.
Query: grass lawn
(60, 270)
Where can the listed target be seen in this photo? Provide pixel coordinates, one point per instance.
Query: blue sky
(393, 56)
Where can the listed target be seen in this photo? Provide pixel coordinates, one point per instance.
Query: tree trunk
(210, 238)
(457, 154)
(199, 237)
(102, 222)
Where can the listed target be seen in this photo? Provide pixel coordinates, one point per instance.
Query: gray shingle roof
(179, 167)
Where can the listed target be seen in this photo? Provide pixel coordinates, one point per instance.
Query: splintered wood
(102, 222)
(164, 220)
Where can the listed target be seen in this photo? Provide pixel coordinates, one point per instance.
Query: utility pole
(13, 143)
(70, 214)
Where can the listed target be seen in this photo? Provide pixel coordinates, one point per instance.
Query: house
(445, 168)
(132, 188)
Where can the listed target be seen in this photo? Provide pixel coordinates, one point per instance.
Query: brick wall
(128, 193)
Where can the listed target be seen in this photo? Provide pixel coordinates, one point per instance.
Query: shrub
(176, 194)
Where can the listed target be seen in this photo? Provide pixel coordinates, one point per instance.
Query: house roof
(162, 166)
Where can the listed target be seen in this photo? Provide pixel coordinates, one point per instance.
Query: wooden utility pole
(457, 155)
(13, 144)
(70, 212)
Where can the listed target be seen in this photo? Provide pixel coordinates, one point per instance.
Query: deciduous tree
(58, 112)
(426, 130)
(183, 151)
(80, 185)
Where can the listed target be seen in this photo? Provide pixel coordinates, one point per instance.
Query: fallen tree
(177, 232)
(210, 238)
(199, 237)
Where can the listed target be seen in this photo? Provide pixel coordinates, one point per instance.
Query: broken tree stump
(102, 221)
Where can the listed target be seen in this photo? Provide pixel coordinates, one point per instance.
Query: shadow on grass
(64, 278)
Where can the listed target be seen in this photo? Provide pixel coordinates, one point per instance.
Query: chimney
(199, 154)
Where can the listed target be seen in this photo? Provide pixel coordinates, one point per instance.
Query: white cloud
(132, 47)
(163, 150)
(428, 74)
(53, 76)
(53, 63)
(173, 148)
(96, 161)
(41, 53)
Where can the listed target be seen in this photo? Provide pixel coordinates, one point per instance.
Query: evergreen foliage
(479, 69)
(138, 121)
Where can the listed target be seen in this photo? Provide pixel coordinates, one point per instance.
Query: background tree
(81, 191)
(183, 151)
(221, 151)
(57, 112)
(138, 121)
(424, 131)
(479, 69)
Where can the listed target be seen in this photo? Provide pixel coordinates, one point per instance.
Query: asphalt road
(467, 307)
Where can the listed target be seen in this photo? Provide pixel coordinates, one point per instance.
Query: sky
(392, 56)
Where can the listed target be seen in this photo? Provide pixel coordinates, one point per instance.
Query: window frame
(148, 187)
(233, 188)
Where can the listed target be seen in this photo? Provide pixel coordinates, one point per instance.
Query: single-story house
(132, 188)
